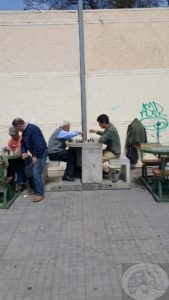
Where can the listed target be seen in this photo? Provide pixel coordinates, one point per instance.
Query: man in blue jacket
(34, 142)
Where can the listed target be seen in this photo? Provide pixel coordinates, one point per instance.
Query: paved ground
(72, 245)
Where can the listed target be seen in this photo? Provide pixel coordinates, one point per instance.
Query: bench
(160, 176)
(51, 164)
(124, 164)
(148, 162)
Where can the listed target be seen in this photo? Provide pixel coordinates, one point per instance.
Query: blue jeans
(36, 182)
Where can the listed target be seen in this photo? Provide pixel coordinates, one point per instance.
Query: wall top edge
(15, 12)
(90, 16)
(38, 75)
(54, 11)
(127, 72)
(37, 16)
(88, 74)
(42, 22)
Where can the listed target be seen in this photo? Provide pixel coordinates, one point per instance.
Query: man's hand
(92, 130)
(6, 149)
(34, 160)
(24, 155)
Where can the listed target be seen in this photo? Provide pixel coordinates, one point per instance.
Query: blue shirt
(66, 135)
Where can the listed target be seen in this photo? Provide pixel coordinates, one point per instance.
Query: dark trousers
(16, 166)
(68, 156)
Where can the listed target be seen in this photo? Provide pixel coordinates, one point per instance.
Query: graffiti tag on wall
(152, 115)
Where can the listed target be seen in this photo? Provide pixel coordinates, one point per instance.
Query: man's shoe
(115, 175)
(31, 193)
(38, 198)
(67, 178)
(19, 188)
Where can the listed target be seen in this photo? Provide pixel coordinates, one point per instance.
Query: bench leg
(157, 187)
(160, 189)
(144, 171)
(125, 172)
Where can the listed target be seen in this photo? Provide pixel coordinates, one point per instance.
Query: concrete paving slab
(72, 245)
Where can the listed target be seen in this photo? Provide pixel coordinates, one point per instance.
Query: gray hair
(64, 123)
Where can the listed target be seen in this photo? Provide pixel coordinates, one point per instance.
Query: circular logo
(145, 282)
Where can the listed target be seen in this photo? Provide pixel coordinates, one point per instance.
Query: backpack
(132, 154)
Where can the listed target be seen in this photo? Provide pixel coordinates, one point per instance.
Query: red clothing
(14, 145)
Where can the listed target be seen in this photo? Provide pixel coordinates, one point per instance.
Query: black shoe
(19, 188)
(115, 175)
(67, 178)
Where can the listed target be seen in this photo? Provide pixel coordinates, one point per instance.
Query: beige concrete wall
(127, 66)
(127, 39)
(39, 69)
(127, 63)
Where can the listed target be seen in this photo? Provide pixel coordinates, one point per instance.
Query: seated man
(57, 149)
(16, 166)
(111, 139)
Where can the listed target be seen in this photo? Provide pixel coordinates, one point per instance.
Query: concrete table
(89, 157)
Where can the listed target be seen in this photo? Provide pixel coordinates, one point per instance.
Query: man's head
(13, 133)
(103, 121)
(19, 124)
(65, 125)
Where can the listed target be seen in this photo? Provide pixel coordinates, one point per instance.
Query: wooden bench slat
(151, 161)
(157, 172)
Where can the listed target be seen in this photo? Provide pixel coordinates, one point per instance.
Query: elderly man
(57, 149)
(111, 139)
(34, 142)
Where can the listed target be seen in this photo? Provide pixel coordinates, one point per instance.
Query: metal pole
(158, 132)
(82, 69)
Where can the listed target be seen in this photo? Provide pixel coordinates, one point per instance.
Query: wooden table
(160, 181)
(156, 150)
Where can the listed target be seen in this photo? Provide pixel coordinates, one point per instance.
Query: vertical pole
(82, 69)
(158, 132)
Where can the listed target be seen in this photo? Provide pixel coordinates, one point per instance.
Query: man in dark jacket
(34, 142)
(110, 138)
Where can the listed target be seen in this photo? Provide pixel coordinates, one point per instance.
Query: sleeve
(36, 142)
(105, 137)
(66, 135)
(100, 132)
(23, 146)
(33, 141)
